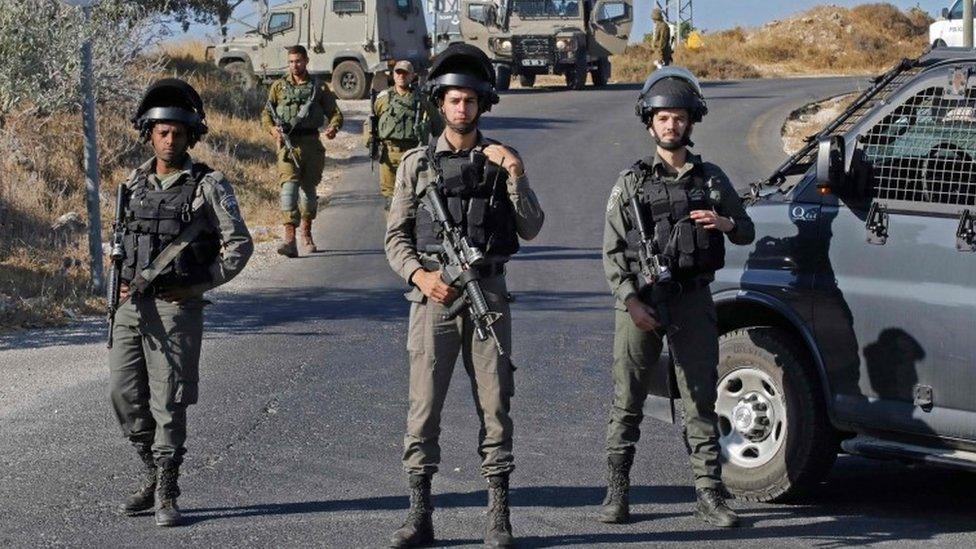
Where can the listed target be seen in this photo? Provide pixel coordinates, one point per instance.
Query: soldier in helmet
(487, 193)
(661, 42)
(406, 119)
(688, 207)
(306, 107)
(184, 234)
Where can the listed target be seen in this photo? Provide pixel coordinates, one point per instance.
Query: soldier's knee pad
(289, 196)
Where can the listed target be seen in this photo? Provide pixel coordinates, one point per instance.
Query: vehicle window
(611, 11)
(348, 6)
(546, 8)
(956, 11)
(280, 22)
(924, 150)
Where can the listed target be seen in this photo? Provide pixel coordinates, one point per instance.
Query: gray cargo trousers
(154, 371)
(694, 348)
(433, 345)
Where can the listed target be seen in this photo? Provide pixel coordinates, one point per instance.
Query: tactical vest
(291, 100)
(154, 219)
(398, 121)
(688, 250)
(475, 192)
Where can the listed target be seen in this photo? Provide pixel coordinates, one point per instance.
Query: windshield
(527, 9)
(956, 11)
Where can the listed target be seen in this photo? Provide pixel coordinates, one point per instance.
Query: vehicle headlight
(500, 45)
(565, 44)
(506, 45)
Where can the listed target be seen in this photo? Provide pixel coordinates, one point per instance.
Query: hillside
(823, 40)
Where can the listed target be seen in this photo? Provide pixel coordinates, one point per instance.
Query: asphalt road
(296, 440)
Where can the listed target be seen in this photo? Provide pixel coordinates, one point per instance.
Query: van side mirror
(831, 155)
(945, 13)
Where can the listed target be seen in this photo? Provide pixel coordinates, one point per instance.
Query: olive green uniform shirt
(325, 98)
(431, 114)
(620, 272)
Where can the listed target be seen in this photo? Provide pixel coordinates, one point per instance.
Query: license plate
(534, 62)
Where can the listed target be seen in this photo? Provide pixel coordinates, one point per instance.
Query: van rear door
(610, 25)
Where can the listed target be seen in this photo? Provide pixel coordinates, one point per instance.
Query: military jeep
(850, 324)
(347, 40)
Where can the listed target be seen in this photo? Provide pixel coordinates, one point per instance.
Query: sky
(710, 15)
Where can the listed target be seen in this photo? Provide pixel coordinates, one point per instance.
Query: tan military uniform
(154, 361)
(693, 338)
(401, 140)
(299, 197)
(662, 39)
(434, 344)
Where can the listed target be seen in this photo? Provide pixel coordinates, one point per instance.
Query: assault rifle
(374, 132)
(458, 258)
(116, 255)
(284, 129)
(656, 286)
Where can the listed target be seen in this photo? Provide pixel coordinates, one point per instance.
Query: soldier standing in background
(405, 120)
(661, 43)
(182, 234)
(302, 104)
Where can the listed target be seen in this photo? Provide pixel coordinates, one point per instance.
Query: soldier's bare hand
(331, 132)
(642, 315)
(711, 220)
(177, 295)
(505, 158)
(432, 286)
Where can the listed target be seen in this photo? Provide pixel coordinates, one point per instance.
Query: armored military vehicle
(850, 322)
(347, 40)
(526, 38)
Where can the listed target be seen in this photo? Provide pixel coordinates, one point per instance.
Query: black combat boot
(143, 498)
(499, 530)
(712, 509)
(616, 506)
(418, 529)
(167, 490)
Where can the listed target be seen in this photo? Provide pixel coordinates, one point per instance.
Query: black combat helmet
(671, 88)
(171, 99)
(463, 66)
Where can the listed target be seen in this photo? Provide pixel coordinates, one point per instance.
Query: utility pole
(91, 151)
(967, 23)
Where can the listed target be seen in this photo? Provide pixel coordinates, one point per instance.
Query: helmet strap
(673, 145)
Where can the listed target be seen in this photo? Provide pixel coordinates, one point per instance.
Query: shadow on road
(520, 123)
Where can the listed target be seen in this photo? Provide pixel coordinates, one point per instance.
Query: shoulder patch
(223, 194)
(614, 200)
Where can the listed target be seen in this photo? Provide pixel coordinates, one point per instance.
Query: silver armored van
(347, 40)
(526, 38)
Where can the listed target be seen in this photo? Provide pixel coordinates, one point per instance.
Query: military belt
(483, 271)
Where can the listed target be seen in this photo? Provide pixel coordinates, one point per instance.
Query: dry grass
(812, 118)
(823, 40)
(44, 272)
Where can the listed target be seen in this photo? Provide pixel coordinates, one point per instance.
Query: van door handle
(966, 233)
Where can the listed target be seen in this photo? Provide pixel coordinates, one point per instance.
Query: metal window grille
(348, 6)
(923, 151)
(856, 115)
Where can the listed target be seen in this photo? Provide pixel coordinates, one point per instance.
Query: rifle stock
(374, 135)
(117, 254)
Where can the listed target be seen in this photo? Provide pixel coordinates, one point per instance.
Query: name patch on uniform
(229, 204)
(614, 198)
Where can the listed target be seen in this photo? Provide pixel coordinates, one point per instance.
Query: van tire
(503, 77)
(526, 80)
(349, 80)
(810, 443)
(576, 77)
(242, 75)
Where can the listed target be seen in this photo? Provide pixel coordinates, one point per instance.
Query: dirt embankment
(823, 40)
(44, 265)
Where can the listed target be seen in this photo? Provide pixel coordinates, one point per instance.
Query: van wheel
(527, 80)
(776, 440)
(242, 75)
(349, 80)
(503, 77)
